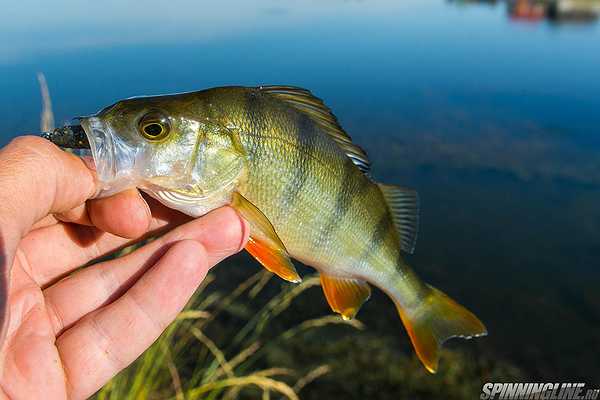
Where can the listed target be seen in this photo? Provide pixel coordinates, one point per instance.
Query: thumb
(36, 179)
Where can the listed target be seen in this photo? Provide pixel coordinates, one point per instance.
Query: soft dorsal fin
(345, 295)
(304, 101)
(404, 206)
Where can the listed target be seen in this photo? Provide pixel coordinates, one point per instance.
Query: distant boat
(574, 10)
(559, 11)
(527, 10)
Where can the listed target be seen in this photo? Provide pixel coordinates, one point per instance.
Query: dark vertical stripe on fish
(343, 203)
(380, 233)
(400, 265)
(305, 144)
(209, 105)
(255, 112)
(256, 119)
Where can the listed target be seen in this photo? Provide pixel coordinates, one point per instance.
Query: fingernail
(245, 229)
(146, 208)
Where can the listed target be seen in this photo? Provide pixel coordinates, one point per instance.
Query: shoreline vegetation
(185, 363)
(237, 341)
(557, 11)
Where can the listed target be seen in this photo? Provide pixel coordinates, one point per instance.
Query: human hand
(65, 338)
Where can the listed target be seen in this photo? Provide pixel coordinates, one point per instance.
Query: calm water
(491, 111)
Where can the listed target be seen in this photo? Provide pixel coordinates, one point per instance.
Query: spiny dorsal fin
(345, 295)
(404, 206)
(304, 101)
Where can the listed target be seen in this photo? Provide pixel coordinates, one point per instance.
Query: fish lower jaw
(189, 204)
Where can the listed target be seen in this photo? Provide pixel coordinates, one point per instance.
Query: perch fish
(279, 157)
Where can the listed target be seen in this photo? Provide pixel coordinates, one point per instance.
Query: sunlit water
(494, 119)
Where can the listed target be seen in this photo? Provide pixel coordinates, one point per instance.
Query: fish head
(162, 143)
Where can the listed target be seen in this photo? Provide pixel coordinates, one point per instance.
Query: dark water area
(489, 109)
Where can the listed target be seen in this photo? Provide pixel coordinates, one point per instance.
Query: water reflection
(31, 28)
(495, 123)
(557, 11)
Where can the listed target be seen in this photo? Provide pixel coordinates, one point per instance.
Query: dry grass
(164, 371)
(47, 116)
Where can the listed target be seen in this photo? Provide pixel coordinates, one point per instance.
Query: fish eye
(154, 126)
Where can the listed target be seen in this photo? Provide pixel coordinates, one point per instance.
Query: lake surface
(490, 110)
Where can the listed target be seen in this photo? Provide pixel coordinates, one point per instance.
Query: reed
(165, 370)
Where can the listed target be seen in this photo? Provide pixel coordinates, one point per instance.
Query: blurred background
(490, 109)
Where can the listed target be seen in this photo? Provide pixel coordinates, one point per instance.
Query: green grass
(185, 363)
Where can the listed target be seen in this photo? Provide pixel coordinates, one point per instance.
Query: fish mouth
(113, 159)
(68, 136)
(102, 147)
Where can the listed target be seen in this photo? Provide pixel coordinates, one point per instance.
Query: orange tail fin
(436, 319)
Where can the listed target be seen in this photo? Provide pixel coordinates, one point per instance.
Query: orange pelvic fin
(264, 243)
(345, 295)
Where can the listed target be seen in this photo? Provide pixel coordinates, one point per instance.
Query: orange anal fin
(345, 295)
(273, 259)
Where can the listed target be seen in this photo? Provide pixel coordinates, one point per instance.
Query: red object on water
(528, 11)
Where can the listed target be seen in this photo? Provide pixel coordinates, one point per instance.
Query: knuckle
(30, 143)
(55, 315)
(110, 285)
(156, 324)
(173, 236)
(24, 151)
(188, 245)
(106, 345)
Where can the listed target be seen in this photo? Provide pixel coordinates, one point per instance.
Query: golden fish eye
(154, 126)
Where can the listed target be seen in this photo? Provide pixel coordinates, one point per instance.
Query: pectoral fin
(345, 296)
(264, 244)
